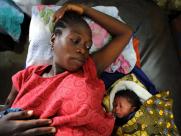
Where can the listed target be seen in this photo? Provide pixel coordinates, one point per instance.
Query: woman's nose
(81, 50)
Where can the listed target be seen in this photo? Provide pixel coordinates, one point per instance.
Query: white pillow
(39, 51)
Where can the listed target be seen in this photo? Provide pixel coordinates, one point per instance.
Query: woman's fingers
(18, 123)
(75, 7)
(68, 7)
(58, 14)
(39, 131)
(19, 115)
(34, 123)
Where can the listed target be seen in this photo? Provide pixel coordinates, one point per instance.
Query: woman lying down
(137, 112)
(74, 105)
(69, 92)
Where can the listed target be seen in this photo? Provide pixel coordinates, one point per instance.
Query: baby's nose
(117, 108)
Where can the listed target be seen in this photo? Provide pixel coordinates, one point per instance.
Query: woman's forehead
(82, 31)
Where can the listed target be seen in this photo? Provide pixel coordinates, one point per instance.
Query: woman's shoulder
(35, 68)
(22, 76)
(31, 69)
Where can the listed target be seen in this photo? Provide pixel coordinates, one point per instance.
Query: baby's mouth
(117, 115)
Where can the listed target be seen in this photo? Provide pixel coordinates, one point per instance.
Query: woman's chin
(75, 68)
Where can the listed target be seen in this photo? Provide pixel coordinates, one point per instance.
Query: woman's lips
(79, 61)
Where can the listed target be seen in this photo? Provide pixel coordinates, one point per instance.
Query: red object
(72, 100)
(136, 48)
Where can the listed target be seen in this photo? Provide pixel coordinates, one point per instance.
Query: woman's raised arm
(121, 33)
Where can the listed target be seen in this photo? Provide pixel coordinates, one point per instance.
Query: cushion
(39, 51)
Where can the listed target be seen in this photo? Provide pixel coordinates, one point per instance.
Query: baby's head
(71, 41)
(125, 102)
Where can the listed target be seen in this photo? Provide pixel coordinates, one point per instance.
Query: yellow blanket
(155, 116)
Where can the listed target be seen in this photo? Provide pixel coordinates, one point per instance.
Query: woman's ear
(52, 41)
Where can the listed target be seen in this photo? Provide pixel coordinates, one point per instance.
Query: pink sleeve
(20, 77)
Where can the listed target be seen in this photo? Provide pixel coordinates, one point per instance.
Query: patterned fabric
(39, 51)
(169, 4)
(72, 100)
(155, 117)
(110, 78)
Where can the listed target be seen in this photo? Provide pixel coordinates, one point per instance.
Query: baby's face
(122, 107)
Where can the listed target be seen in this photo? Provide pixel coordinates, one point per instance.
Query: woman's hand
(17, 124)
(79, 8)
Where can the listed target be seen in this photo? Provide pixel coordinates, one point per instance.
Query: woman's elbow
(129, 31)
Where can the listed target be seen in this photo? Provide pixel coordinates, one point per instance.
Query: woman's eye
(88, 46)
(75, 41)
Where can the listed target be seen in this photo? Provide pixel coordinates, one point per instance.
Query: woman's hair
(131, 97)
(69, 19)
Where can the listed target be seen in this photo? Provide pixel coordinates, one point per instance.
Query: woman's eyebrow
(89, 41)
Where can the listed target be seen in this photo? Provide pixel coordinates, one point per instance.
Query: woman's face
(71, 48)
(122, 107)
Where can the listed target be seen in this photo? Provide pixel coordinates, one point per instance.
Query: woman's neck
(52, 71)
(56, 69)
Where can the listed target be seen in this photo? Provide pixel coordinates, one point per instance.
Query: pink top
(72, 100)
